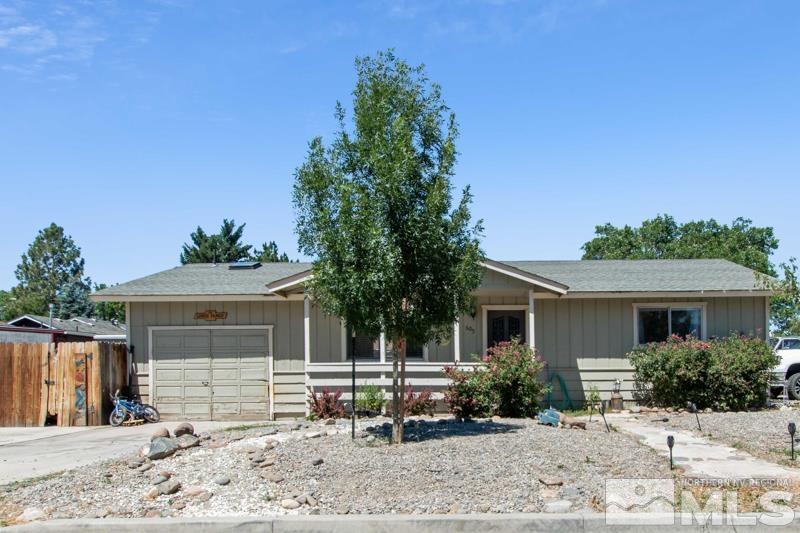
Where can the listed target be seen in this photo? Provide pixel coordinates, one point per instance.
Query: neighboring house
(207, 340)
(34, 328)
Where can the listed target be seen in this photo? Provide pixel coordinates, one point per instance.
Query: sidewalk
(701, 457)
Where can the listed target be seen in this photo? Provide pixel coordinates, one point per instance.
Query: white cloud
(28, 39)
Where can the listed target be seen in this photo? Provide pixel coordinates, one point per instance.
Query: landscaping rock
(558, 506)
(329, 422)
(187, 441)
(145, 467)
(222, 480)
(273, 477)
(290, 503)
(184, 428)
(317, 461)
(160, 432)
(31, 514)
(158, 480)
(161, 447)
(170, 486)
(312, 435)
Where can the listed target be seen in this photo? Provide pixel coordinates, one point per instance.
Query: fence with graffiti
(67, 384)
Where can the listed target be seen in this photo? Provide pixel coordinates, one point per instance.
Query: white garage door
(211, 374)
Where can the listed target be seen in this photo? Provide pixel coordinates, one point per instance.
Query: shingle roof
(78, 324)
(687, 275)
(665, 275)
(206, 279)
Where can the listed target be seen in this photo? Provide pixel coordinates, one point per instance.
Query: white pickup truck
(788, 370)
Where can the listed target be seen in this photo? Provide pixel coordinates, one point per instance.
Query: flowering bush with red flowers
(507, 383)
(326, 404)
(729, 373)
(420, 403)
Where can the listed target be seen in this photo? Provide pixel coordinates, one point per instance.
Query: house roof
(76, 325)
(664, 275)
(597, 276)
(206, 279)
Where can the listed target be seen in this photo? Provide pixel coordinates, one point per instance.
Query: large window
(505, 325)
(654, 322)
(366, 347)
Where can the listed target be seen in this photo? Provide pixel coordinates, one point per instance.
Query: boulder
(187, 441)
(184, 428)
(161, 447)
(30, 514)
(160, 432)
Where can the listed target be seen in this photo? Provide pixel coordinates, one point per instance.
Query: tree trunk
(402, 393)
(397, 423)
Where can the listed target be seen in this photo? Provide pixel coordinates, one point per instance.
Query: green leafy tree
(375, 209)
(73, 300)
(663, 238)
(52, 262)
(114, 311)
(785, 305)
(223, 247)
(268, 253)
(5, 302)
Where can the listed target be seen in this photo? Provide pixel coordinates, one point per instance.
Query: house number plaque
(211, 314)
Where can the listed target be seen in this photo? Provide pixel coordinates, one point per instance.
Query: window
(790, 344)
(362, 346)
(366, 347)
(654, 323)
(412, 351)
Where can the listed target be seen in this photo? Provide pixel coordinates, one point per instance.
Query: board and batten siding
(285, 317)
(586, 340)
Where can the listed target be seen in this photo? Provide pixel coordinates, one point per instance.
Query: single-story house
(244, 341)
(35, 328)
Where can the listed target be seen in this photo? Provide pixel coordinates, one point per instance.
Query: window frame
(670, 306)
(383, 355)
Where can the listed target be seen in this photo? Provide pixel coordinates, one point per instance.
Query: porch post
(531, 320)
(383, 347)
(456, 341)
(306, 341)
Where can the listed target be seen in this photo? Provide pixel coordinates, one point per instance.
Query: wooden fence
(67, 384)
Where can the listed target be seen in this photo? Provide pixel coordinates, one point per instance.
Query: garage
(211, 373)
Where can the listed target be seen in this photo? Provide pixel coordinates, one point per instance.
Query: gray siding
(286, 317)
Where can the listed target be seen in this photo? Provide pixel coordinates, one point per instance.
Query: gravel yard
(446, 467)
(760, 433)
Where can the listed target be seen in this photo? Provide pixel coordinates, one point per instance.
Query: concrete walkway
(701, 457)
(38, 451)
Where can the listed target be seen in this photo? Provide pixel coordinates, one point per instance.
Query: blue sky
(130, 123)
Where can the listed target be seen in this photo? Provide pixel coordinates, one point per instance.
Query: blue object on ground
(549, 417)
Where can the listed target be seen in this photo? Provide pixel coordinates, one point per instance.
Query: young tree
(268, 253)
(663, 238)
(375, 210)
(114, 311)
(52, 262)
(73, 300)
(222, 247)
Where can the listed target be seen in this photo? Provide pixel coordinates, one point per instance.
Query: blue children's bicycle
(124, 408)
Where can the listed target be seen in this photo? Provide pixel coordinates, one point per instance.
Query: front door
(504, 325)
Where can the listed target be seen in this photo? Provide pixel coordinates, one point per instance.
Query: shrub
(421, 403)
(730, 373)
(370, 398)
(506, 382)
(326, 405)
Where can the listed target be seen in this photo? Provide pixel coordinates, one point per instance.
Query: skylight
(244, 265)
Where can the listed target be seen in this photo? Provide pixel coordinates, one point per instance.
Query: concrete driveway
(38, 451)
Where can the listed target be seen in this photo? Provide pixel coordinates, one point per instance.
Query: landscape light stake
(693, 409)
(792, 429)
(603, 414)
(670, 443)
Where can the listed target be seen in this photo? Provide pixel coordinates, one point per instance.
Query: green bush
(730, 373)
(370, 398)
(506, 383)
